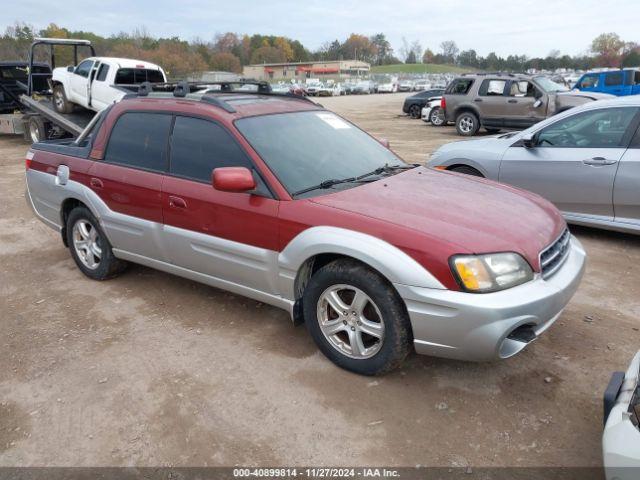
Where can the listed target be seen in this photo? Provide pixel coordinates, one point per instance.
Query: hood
(477, 215)
(587, 95)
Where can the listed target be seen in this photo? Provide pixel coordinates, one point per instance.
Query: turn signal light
(443, 104)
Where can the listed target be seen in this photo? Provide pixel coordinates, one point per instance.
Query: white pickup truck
(94, 82)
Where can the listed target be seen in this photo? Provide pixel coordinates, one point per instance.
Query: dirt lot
(151, 369)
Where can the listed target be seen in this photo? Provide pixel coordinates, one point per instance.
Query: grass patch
(419, 68)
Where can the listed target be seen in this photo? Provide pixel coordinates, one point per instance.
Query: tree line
(230, 51)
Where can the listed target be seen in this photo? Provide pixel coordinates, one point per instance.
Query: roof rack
(183, 88)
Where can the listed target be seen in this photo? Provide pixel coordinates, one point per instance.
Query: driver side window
(603, 128)
(84, 68)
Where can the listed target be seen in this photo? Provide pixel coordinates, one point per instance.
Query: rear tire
(467, 124)
(414, 111)
(60, 102)
(368, 331)
(436, 117)
(467, 171)
(90, 247)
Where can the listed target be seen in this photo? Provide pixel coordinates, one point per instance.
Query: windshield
(550, 86)
(304, 149)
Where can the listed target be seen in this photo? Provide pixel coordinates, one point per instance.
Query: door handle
(177, 202)
(477, 100)
(513, 101)
(96, 183)
(599, 161)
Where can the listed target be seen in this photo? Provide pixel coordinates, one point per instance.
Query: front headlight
(490, 272)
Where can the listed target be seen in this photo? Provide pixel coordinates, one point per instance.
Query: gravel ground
(151, 369)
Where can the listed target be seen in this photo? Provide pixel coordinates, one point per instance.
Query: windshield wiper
(386, 169)
(337, 181)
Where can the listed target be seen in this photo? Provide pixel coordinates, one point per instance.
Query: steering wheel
(566, 138)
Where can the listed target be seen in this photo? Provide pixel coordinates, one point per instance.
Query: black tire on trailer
(467, 170)
(60, 102)
(35, 129)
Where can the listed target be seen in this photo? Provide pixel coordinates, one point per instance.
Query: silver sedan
(586, 161)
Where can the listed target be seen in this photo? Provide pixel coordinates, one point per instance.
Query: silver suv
(505, 100)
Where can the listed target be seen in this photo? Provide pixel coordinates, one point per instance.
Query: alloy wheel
(86, 242)
(34, 132)
(350, 321)
(466, 124)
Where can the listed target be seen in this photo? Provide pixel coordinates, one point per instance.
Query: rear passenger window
(490, 88)
(139, 140)
(198, 146)
(613, 79)
(460, 86)
(102, 72)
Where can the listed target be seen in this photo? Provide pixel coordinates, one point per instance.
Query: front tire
(356, 318)
(60, 102)
(467, 171)
(89, 246)
(467, 124)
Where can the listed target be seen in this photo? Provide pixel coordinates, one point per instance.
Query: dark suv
(505, 100)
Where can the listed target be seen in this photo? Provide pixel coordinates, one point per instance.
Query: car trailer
(34, 115)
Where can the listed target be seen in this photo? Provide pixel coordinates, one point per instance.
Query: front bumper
(490, 326)
(621, 438)
(425, 114)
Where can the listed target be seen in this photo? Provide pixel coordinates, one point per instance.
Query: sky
(531, 27)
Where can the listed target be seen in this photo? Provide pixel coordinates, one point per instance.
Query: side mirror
(537, 103)
(233, 179)
(385, 143)
(529, 140)
(71, 69)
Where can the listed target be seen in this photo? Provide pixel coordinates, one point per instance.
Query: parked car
(413, 104)
(405, 86)
(281, 87)
(388, 87)
(497, 101)
(615, 82)
(586, 161)
(621, 436)
(348, 87)
(94, 82)
(289, 204)
(432, 113)
(421, 85)
(313, 89)
(13, 82)
(330, 90)
(364, 87)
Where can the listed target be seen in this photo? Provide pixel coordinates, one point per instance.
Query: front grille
(552, 257)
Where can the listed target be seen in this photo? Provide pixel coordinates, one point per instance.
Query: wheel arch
(467, 109)
(318, 246)
(468, 164)
(67, 205)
